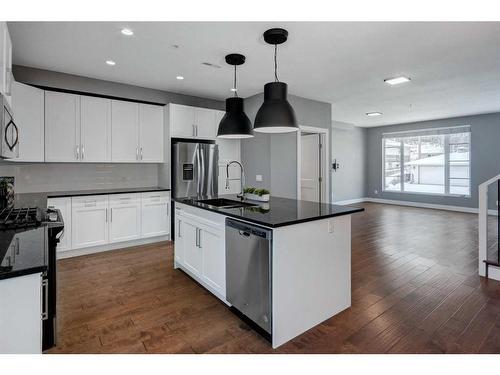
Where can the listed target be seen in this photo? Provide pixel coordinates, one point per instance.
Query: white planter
(258, 198)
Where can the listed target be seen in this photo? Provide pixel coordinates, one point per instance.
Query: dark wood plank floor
(415, 289)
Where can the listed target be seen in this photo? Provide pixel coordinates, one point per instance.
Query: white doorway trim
(325, 167)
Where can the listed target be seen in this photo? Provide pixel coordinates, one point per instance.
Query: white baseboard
(446, 207)
(114, 246)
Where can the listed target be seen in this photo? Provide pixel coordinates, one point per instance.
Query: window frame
(446, 168)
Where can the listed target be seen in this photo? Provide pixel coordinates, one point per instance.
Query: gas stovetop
(17, 218)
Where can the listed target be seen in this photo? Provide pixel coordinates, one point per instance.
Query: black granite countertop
(23, 251)
(278, 212)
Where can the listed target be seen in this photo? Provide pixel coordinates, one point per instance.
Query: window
(434, 161)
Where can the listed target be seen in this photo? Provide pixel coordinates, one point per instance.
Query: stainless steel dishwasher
(248, 271)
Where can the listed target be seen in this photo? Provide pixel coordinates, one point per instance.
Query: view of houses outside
(425, 164)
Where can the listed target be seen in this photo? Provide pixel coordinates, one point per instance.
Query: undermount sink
(225, 203)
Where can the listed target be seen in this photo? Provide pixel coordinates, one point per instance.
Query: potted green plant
(255, 194)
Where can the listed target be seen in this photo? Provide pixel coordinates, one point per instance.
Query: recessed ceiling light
(397, 80)
(127, 32)
(110, 62)
(374, 114)
(180, 78)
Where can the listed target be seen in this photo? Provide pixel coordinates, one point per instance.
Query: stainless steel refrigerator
(195, 169)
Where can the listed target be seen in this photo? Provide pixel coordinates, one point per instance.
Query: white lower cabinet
(89, 216)
(200, 249)
(64, 205)
(124, 217)
(102, 221)
(211, 242)
(155, 213)
(21, 317)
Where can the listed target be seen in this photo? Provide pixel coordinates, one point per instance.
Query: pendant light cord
(235, 89)
(276, 63)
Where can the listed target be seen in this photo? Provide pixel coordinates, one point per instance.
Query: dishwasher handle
(247, 230)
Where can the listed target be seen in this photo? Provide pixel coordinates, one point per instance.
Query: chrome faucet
(242, 178)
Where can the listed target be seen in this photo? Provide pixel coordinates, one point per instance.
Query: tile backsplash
(45, 177)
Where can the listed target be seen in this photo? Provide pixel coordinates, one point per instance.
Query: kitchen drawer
(90, 201)
(156, 196)
(121, 199)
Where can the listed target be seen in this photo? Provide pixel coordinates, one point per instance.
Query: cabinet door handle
(141, 153)
(45, 299)
(194, 131)
(197, 238)
(179, 222)
(111, 216)
(77, 152)
(196, 127)
(106, 215)
(137, 153)
(83, 152)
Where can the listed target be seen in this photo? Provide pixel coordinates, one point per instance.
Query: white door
(192, 253)
(63, 204)
(21, 317)
(124, 131)
(28, 106)
(311, 181)
(155, 214)
(62, 127)
(95, 120)
(125, 217)
(205, 123)
(151, 133)
(181, 121)
(213, 249)
(179, 238)
(89, 219)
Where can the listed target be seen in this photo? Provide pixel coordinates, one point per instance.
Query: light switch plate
(258, 178)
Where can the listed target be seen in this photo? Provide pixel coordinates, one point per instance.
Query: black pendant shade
(235, 124)
(275, 115)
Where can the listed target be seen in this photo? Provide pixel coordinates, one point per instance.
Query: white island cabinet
(310, 259)
(200, 247)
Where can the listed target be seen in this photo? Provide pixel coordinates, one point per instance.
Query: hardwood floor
(415, 289)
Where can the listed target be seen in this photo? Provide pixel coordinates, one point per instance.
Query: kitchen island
(309, 261)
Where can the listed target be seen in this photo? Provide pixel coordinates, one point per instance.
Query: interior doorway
(312, 166)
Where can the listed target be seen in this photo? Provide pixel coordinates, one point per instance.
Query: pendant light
(275, 115)
(235, 124)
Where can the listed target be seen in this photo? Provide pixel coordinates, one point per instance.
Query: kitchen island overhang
(310, 262)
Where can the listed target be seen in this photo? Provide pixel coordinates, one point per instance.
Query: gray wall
(275, 156)
(33, 177)
(349, 149)
(485, 158)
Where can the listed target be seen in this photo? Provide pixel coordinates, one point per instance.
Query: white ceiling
(454, 67)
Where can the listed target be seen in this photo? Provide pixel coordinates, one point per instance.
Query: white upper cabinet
(192, 122)
(204, 121)
(95, 132)
(124, 131)
(151, 133)
(62, 127)
(5, 62)
(181, 121)
(28, 106)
